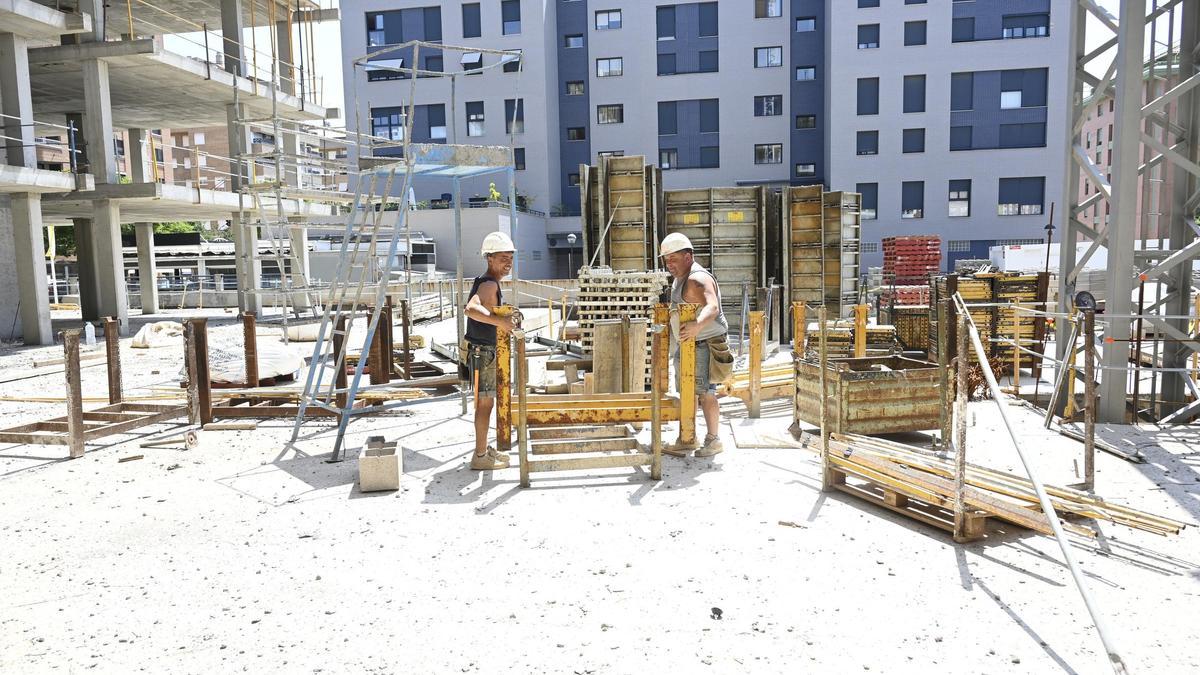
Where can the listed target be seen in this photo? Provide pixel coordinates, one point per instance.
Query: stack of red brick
(910, 260)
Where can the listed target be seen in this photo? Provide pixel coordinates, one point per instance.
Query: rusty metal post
(405, 347)
(518, 337)
(250, 348)
(112, 352)
(657, 363)
(962, 364)
(191, 364)
(75, 428)
(374, 356)
(1089, 396)
(756, 355)
(203, 379)
(339, 361)
(1016, 361)
(687, 381)
(503, 383)
(799, 326)
(943, 356)
(860, 331)
(662, 340)
(387, 350)
(827, 477)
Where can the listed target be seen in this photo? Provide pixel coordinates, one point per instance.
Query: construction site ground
(242, 555)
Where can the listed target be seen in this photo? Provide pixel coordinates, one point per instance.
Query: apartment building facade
(895, 98)
(954, 119)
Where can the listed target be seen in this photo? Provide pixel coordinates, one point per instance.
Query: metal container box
(874, 395)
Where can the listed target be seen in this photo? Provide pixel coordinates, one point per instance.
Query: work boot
(489, 460)
(678, 449)
(499, 456)
(712, 445)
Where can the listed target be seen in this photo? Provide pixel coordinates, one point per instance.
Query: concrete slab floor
(241, 555)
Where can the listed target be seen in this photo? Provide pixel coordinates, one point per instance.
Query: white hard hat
(497, 242)
(673, 242)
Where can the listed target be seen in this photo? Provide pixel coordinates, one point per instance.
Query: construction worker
(480, 346)
(691, 283)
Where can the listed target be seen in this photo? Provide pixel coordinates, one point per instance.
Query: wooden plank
(112, 350)
(607, 356)
(250, 348)
(34, 438)
(578, 463)
(230, 426)
(122, 427)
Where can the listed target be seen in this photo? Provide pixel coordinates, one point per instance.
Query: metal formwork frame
(1152, 133)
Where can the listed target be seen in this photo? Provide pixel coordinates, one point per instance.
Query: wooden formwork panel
(619, 202)
(822, 258)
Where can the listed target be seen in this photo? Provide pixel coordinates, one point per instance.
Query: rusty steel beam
(112, 352)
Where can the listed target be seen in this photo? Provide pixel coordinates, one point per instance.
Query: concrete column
(97, 122)
(97, 9)
(31, 269)
(283, 51)
(245, 237)
(109, 263)
(135, 156)
(89, 282)
(147, 268)
(232, 29)
(16, 101)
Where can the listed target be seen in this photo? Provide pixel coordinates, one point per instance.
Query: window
(514, 116)
(914, 93)
(666, 64)
(572, 41)
(668, 119)
(870, 199)
(708, 61)
(868, 96)
(806, 24)
(806, 73)
(1010, 100)
(576, 133)
(668, 158)
(912, 199)
(1025, 88)
(388, 123)
(962, 91)
(519, 159)
(708, 19)
(710, 116)
(1027, 135)
(435, 116)
(867, 142)
(768, 57)
(961, 138)
(868, 36)
(913, 140)
(511, 61)
(766, 9)
(510, 17)
(1021, 196)
(768, 106)
(710, 157)
(611, 153)
(475, 118)
(472, 26)
(472, 61)
(1025, 26)
(572, 180)
(609, 19)
(806, 170)
(198, 137)
(575, 88)
(963, 29)
(914, 33)
(376, 37)
(870, 247)
(664, 19)
(960, 199)
(610, 114)
(958, 246)
(863, 4)
(768, 153)
(914, 2)
(610, 67)
(806, 121)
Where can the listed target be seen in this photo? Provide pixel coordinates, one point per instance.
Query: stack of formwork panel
(881, 339)
(904, 295)
(728, 230)
(620, 204)
(608, 294)
(842, 216)
(911, 259)
(1029, 289)
(974, 291)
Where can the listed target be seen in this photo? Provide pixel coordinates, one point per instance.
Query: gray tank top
(719, 327)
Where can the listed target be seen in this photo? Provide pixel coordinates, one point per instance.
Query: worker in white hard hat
(480, 347)
(691, 283)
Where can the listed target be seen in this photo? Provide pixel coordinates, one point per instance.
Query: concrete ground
(243, 555)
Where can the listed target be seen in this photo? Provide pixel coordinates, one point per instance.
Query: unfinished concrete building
(85, 73)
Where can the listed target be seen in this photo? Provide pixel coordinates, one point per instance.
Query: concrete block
(379, 466)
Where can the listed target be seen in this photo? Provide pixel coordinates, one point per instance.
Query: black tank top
(478, 332)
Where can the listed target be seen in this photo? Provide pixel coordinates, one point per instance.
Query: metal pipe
(1115, 660)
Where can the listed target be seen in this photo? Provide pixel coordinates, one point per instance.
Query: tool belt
(720, 360)
(467, 351)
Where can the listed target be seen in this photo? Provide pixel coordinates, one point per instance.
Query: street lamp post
(570, 246)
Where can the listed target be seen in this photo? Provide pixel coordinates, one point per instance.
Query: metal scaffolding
(1154, 158)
